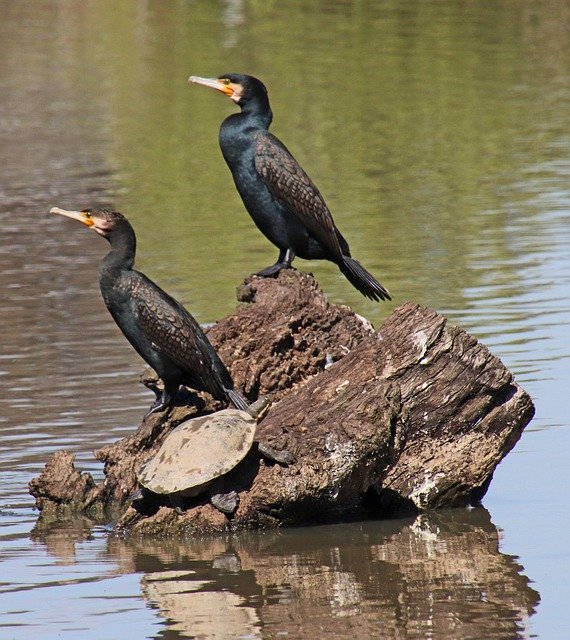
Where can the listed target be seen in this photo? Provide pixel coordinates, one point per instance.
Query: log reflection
(441, 575)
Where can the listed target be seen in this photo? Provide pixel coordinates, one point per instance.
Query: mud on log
(418, 413)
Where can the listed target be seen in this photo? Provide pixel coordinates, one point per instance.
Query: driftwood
(417, 414)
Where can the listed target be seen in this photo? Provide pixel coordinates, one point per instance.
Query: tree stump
(417, 414)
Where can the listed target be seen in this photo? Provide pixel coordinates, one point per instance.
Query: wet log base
(418, 414)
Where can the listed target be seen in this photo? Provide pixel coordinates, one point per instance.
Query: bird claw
(273, 270)
(156, 407)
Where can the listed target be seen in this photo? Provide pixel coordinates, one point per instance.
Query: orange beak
(82, 216)
(213, 83)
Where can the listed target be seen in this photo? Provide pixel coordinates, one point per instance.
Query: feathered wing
(288, 183)
(174, 332)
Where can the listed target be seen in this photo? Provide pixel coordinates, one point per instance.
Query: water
(438, 133)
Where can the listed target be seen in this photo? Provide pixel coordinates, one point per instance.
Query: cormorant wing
(288, 183)
(174, 332)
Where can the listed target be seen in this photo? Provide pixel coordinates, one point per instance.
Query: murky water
(439, 134)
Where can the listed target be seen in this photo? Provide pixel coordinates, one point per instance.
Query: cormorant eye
(225, 81)
(87, 214)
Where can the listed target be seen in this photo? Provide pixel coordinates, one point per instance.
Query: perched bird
(280, 197)
(160, 329)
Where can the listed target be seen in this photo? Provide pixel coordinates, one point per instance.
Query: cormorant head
(238, 87)
(104, 221)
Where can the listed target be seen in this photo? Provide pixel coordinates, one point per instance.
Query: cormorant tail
(366, 283)
(237, 400)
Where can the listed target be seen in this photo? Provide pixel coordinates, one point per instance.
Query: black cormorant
(161, 330)
(280, 197)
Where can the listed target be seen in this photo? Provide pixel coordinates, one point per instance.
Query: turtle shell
(198, 451)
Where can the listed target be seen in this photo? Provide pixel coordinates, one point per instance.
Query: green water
(417, 122)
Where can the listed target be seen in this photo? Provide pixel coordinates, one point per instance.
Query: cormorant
(280, 197)
(160, 329)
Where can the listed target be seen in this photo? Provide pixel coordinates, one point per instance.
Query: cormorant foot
(153, 386)
(158, 406)
(273, 270)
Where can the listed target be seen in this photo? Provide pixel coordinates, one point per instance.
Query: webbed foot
(283, 262)
(157, 406)
(162, 401)
(282, 456)
(273, 270)
(225, 502)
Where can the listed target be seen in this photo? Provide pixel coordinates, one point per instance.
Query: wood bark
(417, 414)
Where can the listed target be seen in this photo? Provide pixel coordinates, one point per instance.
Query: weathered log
(418, 414)
(61, 484)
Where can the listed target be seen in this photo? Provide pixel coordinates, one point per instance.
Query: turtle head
(259, 408)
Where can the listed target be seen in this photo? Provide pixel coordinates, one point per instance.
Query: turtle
(198, 453)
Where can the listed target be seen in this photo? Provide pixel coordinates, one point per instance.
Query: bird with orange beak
(161, 330)
(283, 201)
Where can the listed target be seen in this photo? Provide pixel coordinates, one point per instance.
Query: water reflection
(439, 576)
(200, 609)
(61, 539)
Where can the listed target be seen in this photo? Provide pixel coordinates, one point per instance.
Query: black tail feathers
(359, 278)
(237, 400)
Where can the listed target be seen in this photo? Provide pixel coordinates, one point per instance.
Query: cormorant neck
(123, 248)
(257, 109)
